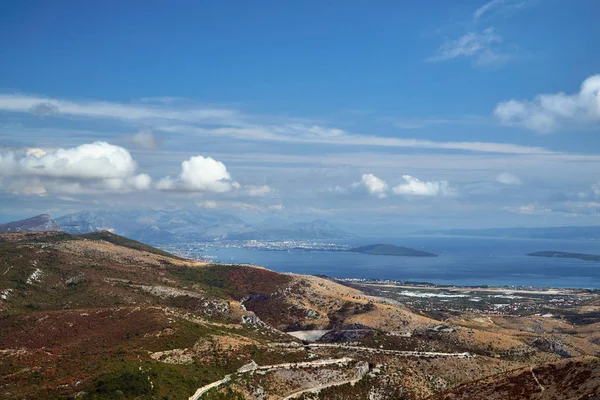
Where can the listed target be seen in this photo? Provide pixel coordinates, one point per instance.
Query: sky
(382, 116)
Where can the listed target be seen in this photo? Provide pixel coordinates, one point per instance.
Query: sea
(463, 261)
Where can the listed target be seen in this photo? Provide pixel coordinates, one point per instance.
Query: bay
(461, 261)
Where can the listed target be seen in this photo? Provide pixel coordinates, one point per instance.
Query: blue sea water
(461, 261)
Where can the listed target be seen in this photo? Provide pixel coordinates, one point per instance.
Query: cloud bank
(101, 167)
(416, 187)
(549, 112)
(411, 187)
(181, 118)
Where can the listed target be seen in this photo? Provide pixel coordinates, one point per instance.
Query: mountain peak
(39, 223)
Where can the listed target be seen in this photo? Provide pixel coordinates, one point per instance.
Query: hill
(562, 254)
(39, 223)
(103, 317)
(572, 379)
(391, 250)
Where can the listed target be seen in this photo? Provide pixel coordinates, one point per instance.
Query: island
(562, 254)
(390, 250)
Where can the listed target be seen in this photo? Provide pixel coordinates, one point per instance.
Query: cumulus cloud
(199, 174)
(416, 187)
(89, 161)
(507, 178)
(88, 167)
(145, 139)
(548, 112)
(373, 185)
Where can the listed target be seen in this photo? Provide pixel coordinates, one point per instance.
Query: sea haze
(461, 261)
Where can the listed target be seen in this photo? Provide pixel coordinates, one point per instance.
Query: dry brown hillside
(103, 317)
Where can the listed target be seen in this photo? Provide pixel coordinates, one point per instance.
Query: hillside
(102, 317)
(39, 223)
(391, 250)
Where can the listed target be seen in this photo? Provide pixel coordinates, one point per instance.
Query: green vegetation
(122, 384)
(562, 254)
(125, 242)
(391, 250)
(235, 281)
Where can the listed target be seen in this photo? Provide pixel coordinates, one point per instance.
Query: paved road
(361, 371)
(227, 378)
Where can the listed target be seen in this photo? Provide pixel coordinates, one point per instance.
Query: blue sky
(394, 115)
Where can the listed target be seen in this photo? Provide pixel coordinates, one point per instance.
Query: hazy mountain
(563, 232)
(166, 226)
(39, 223)
(315, 230)
(154, 226)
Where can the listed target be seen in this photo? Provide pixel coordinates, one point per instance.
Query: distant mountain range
(562, 232)
(317, 229)
(39, 223)
(168, 226)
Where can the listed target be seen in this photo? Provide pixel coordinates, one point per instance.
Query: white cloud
(101, 109)
(199, 174)
(207, 204)
(89, 167)
(337, 189)
(182, 119)
(34, 151)
(486, 8)
(89, 161)
(472, 44)
(212, 204)
(500, 6)
(140, 182)
(507, 178)
(529, 209)
(145, 139)
(373, 185)
(416, 187)
(258, 191)
(548, 112)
